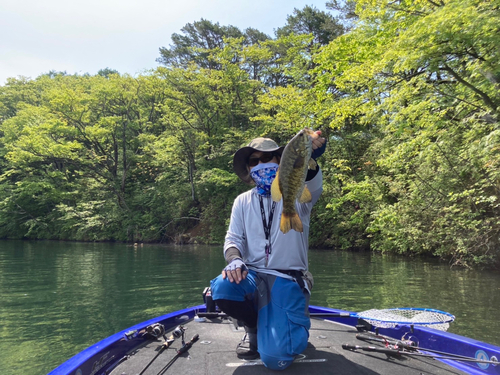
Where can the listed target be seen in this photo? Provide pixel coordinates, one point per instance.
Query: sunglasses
(265, 158)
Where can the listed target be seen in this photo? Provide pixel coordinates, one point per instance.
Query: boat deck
(214, 354)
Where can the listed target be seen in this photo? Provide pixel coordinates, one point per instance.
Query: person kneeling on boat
(266, 284)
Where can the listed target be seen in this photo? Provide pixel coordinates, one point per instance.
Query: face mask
(263, 174)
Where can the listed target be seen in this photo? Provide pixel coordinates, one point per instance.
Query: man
(266, 284)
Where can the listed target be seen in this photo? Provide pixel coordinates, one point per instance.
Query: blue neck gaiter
(263, 175)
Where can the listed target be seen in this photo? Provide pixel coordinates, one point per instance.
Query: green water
(57, 298)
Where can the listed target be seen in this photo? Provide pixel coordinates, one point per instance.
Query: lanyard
(267, 226)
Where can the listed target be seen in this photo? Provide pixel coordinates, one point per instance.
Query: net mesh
(389, 318)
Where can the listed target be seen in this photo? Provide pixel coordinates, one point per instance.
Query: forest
(407, 92)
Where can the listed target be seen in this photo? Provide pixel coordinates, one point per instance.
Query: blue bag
(283, 326)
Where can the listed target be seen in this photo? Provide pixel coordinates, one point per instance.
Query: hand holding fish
(317, 140)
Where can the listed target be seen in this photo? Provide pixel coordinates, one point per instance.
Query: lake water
(57, 298)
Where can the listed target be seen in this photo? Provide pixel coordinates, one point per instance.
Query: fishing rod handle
(167, 343)
(391, 352)
(212, 315)
(332, 315)
(186, 347)
(401, 344)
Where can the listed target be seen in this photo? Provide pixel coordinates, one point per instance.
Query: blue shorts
(283, 322)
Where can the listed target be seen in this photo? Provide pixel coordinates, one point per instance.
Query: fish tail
(290, 221)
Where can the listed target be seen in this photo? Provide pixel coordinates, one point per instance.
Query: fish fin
(275, 188)
(291, 222)
(312, 164)
(306, 196)
(298, 163)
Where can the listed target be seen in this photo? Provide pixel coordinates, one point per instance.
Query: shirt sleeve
(315, 186)
(235, 236)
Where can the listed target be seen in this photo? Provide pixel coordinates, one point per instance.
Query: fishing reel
(179, 332)
(156, 330)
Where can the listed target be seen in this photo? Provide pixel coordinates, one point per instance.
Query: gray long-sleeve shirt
(246, 231)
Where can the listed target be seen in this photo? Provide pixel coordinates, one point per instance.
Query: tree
(424, 74)
(193, 47)
(85, 134)
(106, 72)
(203, 105)
(347, 12)
(310, 20)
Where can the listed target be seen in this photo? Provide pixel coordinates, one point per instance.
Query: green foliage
(218, 189)
(194, 46)
(422, 78)
(323, 26)
(408, 99)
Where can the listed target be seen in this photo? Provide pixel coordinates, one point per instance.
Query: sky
(38, 36)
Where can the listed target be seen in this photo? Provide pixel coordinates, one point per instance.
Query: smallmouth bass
(289, 183)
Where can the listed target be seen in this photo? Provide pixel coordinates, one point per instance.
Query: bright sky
(37, 36)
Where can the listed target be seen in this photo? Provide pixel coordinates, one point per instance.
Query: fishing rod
(182, 350)
(398, 353)
(212, 315)
(387, 340)
(333, 315)
(178, 332)
(386, 318)
(405, 345)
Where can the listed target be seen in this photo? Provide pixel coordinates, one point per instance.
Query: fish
(290, 180)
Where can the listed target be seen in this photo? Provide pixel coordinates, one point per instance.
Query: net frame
(390, 318)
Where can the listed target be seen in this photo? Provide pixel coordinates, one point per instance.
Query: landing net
(389, 318)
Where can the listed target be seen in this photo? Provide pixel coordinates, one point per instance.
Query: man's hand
(235, 271)
(317, 140)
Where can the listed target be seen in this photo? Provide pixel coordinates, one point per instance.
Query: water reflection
(359, 282)
(57, 298)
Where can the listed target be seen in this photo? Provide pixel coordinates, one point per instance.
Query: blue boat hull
(105, 355)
